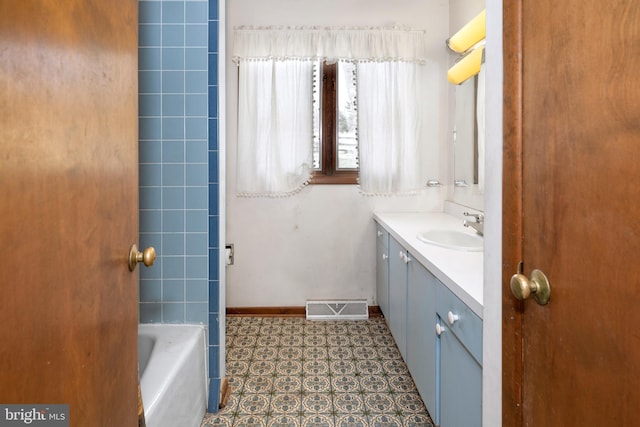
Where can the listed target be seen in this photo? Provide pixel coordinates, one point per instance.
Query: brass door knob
(522, 288)
(135, 256)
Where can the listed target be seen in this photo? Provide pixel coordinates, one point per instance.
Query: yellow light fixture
(467, 67)
(470, 34)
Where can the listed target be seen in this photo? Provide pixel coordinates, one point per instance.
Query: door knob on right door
(538, 286)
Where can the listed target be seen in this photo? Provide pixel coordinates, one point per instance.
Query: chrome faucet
(477, 224)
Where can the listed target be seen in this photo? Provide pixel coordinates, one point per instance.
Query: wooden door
(572, 209)
(68, 207)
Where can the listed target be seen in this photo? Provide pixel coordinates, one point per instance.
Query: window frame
(329, 172)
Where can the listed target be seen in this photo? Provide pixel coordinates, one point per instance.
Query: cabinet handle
(407, 259)
(401, 255)
(453, 318)
(439, 329)
(384, 257)
(379, 233)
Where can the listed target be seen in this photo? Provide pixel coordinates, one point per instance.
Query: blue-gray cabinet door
(382, 269)
(397, 316)
(461, 383)
(421, 335)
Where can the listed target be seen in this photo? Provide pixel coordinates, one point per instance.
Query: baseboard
(266, 311)
(374, 311)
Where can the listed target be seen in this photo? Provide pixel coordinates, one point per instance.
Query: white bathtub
(173, 374)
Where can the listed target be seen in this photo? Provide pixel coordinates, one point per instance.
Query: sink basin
(452, 239)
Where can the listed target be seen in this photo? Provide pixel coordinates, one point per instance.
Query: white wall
(319, 243)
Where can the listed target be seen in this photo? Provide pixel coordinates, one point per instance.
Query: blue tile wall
(174, 178)
(178, 132)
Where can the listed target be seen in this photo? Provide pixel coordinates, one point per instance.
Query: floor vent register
(337, 310)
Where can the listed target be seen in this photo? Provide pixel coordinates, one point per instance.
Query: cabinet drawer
(467, 326)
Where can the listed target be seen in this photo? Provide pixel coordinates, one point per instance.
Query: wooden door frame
(512, 309)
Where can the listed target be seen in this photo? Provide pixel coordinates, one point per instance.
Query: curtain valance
(330, 43)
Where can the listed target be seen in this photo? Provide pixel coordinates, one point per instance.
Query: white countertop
(460, 271)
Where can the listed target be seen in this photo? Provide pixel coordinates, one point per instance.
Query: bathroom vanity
(430, 293)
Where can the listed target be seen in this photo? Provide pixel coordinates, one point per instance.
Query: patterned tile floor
(296, 372)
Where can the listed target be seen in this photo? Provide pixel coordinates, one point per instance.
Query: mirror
(465, 133)
(466, 137)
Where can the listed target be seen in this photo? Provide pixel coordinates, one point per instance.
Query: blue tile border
(215, 246)
(213, 405)
(213, 9)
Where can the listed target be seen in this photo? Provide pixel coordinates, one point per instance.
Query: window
(335, 120)
(379, 142)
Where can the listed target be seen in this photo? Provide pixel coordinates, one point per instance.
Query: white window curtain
(275, 105)
(330, 43)
(391, 126)
(274, 127)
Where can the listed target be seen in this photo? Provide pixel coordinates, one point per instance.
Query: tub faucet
(477, 224)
